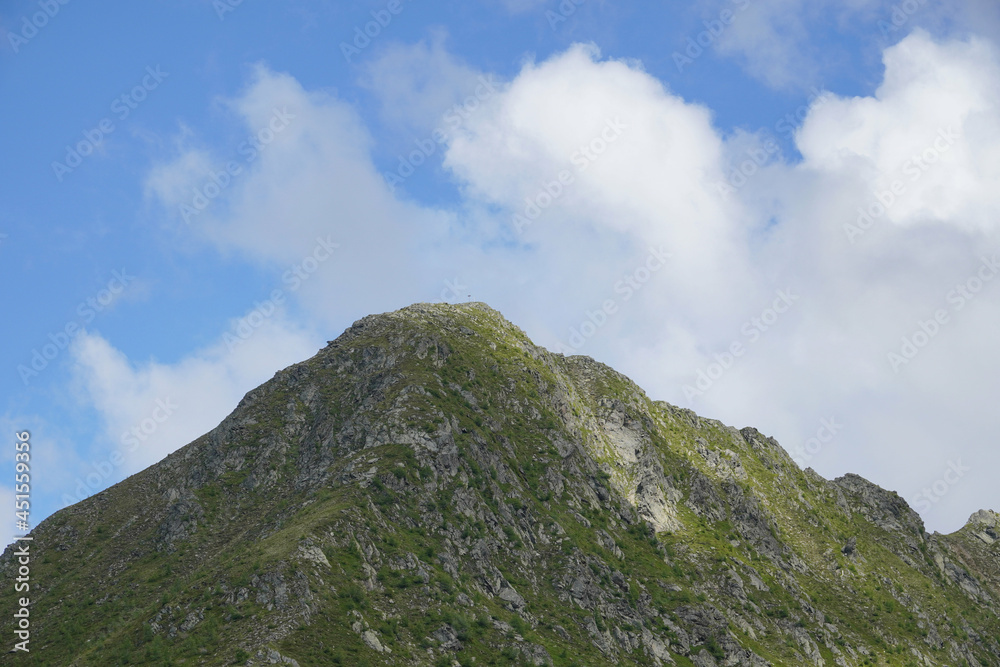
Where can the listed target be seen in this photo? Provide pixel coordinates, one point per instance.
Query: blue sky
(201, 193)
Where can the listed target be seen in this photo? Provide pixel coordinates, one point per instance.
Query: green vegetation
(381, 503)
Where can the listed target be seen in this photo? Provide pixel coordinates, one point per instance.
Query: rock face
(985, 524)
(433, 489)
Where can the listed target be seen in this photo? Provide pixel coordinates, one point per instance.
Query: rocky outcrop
(985, 526)
(433, 488)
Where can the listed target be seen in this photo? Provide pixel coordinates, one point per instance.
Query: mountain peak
(985, 524)
(433, 488)
(984, 518)
(461, 319)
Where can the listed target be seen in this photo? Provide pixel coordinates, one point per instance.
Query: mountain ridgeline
(433, 489)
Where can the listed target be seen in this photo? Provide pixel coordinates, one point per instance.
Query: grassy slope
(89, 612)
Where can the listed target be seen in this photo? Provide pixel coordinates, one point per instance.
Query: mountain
(433, 489)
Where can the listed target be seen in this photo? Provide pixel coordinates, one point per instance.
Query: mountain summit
(431, 488)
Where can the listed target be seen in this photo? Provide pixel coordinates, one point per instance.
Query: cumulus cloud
(150, 409)
(637, 163)
(418, 84)
(821, 352)
(770, 38)
(883, 225)
(777, 41)
(584, 182)
(932, 125)
(173, 182)
(305, 178)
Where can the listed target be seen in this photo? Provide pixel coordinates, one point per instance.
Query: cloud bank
(610, 217)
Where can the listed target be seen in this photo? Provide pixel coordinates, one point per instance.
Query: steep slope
(433, 489)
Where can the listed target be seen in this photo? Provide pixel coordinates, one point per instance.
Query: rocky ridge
(433, 489)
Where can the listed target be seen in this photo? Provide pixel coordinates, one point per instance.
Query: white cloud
(859, 300)
(150, 409)
(172, 182)
(933, 126)
(780, 41)
(827, 356)
(417, 84)
(655, 183)
(769, 37)
(644, 166)
(314, 180)
(147, 410)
